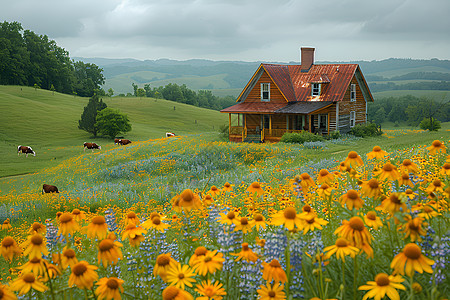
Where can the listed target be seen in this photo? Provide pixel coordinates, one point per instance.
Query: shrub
(301, 137)
(365, 130)
(431, 125)
(334, 135)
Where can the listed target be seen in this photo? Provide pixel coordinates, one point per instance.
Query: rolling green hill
(48, 122)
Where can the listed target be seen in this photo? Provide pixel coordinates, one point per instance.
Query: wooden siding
(358, 106)
(255, 93)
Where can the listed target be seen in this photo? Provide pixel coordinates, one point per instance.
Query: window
(265, 91)
(315, 89)
(352, 92)
(352, 119)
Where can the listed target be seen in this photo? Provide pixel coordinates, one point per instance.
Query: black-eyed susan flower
(109, 288)
(404, 179)
(371, 188)
(436, 147)
(324, 190)
(366, 248)
(135, 234)
(413, 228)
(306, 182)
(83, 275)
(109, 252)
(6, 293)
(208, 263)
(437, 186)
(9, 248)
(97, 228)
(67, 224)
(6, 224)
(36, 265)
(207, 200)
(37, 227)
(384, 285)
(188, 200)
(35, 246)
(255, 187)
(394, 203)
(353, 160)
(227, 187)
(325, 177)
(289, 218)
(162, 265)
(376, 153)
(68, 258)
(175, 293)
(408, 166)
(214, 191)
(342, 248)
(53, 271)
(273, 271)
(246, 253)
(410, 193)
(445, 170)
(354, 231)
(180, 276)
(199, 253)
(210, 291)
(244, 225)
(156, 224)
(312, 222)
(132, 218)
(26, 282)
(271, 291)
(78, 215)
(388, 171)
(229, 218)
(372, 220)
(307, 210)
(259, 221)
(410, 260)
(428, 212)
(352, 200)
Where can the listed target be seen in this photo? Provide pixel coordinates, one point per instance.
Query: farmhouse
(291, 98)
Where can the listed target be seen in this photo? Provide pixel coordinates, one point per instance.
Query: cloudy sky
(249, 30)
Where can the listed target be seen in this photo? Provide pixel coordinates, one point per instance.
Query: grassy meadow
(196, 217)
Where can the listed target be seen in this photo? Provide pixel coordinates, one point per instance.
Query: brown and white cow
(124, 142)
(116, 141)
(47, 188)
(25, 149)
(91, 146)
(170, 134)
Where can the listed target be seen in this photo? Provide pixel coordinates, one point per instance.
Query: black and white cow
(170, 134)
(25, 149)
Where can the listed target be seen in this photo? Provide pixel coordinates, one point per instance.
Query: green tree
(89, 117)
(89, 78)
(140, 93)
(430, 124)
(110, 92)
(111, 122)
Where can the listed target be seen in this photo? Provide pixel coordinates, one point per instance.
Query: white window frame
(353, 92)
(352, 119)
(315, 89)
(266, 84)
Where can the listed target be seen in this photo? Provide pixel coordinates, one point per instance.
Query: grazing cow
(116, 141)
(25, 149)
(47, 188)
(124, 142)
(170, 134)
(91, 146)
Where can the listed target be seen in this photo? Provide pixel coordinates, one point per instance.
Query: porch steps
(253, 138)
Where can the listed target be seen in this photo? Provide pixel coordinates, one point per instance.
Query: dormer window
(315, 89)
(265, 91)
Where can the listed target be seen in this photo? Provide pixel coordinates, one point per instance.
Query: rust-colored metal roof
(280, 75)
(254, 107)
(303, 107)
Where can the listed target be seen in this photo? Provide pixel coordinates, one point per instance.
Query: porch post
(270, 125)
(229, 124)
(287, 123)
(309, 120)
(239, 118)
(328, 124)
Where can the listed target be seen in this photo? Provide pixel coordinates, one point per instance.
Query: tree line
(409, 109)
(425, 85)
(182, 94)
(34, 60)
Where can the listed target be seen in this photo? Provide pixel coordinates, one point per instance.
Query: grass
(49, 124)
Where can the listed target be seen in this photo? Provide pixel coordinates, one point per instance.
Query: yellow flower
(388, 171)
(372, 220)
(109, 252)
(207, 200)
(325, 177)
(435, 187)
(229, 218)
(246, 254)
(255, 187)
(410, 194)
(227, 187)
(9, 248)
(156, 224)
(410, 260)
(353, 160)
(436, 147)
(175, 293)
(376, 153)
(213, 191)
(78, 215)
(35, 246)
(371, 188)
(134, 234)
(428, 212)
(199, 253)
(36, 265)
(109, 288)
(271, 292)
(163, 263)
(306, 182)
(273, 271)
(413, 228)
(354, 231)
(97, 228)
(289, 218)
(68, 258)
(351, 199)
(187, 201)
(408, 166)
(383, 285)
(342, 248)
(67, 224)
(180, 276)
(6, 293)
(209, 263)
(324, 190)
(445, 170)
(210, 291)
(311, 222)
(259, 221)
(132, 218)
(6, 224)
(244, 224)
(83, 275)
(394, 203)
(27, 282)
(37, 228)
(405, 180)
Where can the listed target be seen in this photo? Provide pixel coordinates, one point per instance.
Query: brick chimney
(307, 58)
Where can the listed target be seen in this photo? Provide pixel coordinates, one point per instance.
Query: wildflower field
(186, 218)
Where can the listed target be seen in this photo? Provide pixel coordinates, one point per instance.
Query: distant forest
(33, 60)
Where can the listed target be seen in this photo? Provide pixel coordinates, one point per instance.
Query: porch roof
(253, 107)
(303, 107)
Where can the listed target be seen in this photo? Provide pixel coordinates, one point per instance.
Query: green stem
(355, 276)
(288, 266)
(343, 279)
(411, 290)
